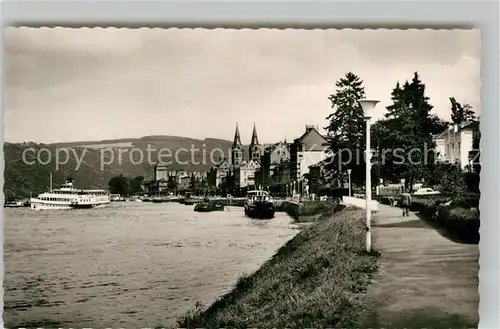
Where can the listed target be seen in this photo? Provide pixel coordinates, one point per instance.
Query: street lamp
(368, 106)
(349, 175)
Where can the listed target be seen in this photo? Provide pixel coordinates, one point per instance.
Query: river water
(129, 265)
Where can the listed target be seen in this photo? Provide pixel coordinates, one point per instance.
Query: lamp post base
(368, 240)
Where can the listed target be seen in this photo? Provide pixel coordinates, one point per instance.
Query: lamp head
(349, 171)
(368, 105)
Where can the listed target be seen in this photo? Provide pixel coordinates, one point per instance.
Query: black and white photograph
(241, 178)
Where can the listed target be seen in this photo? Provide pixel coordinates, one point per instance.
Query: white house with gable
(454, 144)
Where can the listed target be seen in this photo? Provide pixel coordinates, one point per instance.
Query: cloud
(199, 83)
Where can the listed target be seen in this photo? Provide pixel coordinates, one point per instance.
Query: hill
(92, 163)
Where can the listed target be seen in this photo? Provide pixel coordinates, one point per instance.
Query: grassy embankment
(457, 220)
(316, 280)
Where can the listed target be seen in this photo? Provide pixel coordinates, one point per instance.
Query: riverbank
(316, 280)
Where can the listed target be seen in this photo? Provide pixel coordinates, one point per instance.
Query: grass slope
(314, 281)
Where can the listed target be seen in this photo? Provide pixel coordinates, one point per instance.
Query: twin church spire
(237, 147)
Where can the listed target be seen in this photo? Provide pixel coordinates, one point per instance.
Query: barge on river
(207, 205)
(259, 205)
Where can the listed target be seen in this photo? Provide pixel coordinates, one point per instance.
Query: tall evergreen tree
(461, 113)
(408, 131)
(346, 125)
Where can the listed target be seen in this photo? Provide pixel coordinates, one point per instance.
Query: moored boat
(14, 204)
(136, 199)
(206, 206)
(189, 202)
(259, 205)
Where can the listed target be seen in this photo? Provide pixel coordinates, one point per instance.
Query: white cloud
(199, 83)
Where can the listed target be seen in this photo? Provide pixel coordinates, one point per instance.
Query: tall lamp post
(368, 106)
(349, 175)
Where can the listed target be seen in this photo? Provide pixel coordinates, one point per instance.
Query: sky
(65, 84)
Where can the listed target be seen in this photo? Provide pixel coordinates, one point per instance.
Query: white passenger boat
(68, 197)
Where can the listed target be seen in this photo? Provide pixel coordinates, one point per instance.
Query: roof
(322, 162)
(264, 192)
(255, 140)
(307, 132)
(464, 126)
(237, 139)
(274, 146)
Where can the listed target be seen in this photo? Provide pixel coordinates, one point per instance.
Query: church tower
(255, 149)
(237, 149)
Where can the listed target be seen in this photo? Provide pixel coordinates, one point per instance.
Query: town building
(307, 150)
(184, 183)
(218, 173)
(456, 144)
(273, 164)
(245, 174)
(236, 173)
(255, 150)
(159, 184)
(320, 178)
(160, 172)
(166, 180)
(280, 167)
(237, 150)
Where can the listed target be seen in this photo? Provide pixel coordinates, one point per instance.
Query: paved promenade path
(425, 280)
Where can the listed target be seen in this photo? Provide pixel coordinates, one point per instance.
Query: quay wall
(235, 202)
(306, 211)
(299, 211)
(360, 203)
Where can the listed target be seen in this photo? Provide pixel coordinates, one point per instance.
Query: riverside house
(456, 144)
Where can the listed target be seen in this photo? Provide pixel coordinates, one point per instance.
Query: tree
(192, 181)
(172, 183)
(119, 185)
(461, 113)
(346, 127)
(453, 182)
(407, 133)
(136, 184)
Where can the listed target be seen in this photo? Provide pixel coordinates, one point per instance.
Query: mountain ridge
(86, 164)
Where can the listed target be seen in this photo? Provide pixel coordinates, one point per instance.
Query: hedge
(457, 219)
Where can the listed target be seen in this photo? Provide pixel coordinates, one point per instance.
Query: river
(129, 265)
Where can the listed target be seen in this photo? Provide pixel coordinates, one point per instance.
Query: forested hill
(90, 165)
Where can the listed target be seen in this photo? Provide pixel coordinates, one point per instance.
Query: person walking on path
(405, 203)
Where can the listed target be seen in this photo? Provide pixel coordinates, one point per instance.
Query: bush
(453, 182)
(467, 202)
(461, 223)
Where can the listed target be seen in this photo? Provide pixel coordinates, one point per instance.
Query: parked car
(426, 191)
